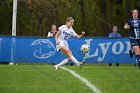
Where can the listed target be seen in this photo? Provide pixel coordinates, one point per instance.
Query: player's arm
(126, 26)
(56, 37)
(82, 34)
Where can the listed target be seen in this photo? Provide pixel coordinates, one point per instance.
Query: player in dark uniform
(133, 24)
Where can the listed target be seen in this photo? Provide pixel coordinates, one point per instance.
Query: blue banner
(37, 49)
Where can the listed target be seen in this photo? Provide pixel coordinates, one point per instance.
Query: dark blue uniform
(134, 31)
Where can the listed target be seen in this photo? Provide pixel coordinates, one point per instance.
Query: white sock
(63, 62)
(75, 60)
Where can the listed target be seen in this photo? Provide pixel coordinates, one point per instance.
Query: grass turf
(44, 79)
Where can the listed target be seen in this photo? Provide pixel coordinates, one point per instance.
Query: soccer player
(62, 36)
(133, 24)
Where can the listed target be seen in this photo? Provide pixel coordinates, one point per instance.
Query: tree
(82, 14)
(96, 17)
(5, 17)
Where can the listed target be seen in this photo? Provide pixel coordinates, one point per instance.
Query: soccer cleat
(82, 63)
(56, 67)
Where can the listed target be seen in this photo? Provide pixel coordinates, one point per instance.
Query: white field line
(84, 80)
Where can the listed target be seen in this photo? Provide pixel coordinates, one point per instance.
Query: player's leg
(60, 48)
(131, 51)
(71, 57)
(61, 63)
(135, 45)
(137, 52)
(67, 52)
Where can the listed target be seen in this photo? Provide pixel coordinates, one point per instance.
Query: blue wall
(37, 49)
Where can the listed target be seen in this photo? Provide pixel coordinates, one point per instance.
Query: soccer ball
(85, 48)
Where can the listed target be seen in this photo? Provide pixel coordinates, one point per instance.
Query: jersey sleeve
(128, 22)
(74, 34)
(60, 29)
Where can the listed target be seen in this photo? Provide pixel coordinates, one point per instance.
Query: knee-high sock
(75, 60)
(63, 62)
(138, 58)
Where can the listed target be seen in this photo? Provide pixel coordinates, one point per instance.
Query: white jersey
(65, 34)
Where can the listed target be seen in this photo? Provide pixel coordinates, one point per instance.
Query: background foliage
(96, 17)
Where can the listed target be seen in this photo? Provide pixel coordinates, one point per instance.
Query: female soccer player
(133, 24)
(62, 36)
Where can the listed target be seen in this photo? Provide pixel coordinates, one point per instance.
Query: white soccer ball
(85, 48)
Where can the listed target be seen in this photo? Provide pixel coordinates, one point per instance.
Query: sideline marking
(84, 80)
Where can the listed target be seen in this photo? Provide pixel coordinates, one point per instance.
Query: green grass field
(45, 79)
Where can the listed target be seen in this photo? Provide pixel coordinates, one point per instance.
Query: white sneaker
(56, 67)
(11, 63)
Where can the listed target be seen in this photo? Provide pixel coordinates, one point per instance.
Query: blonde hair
(69, 18)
